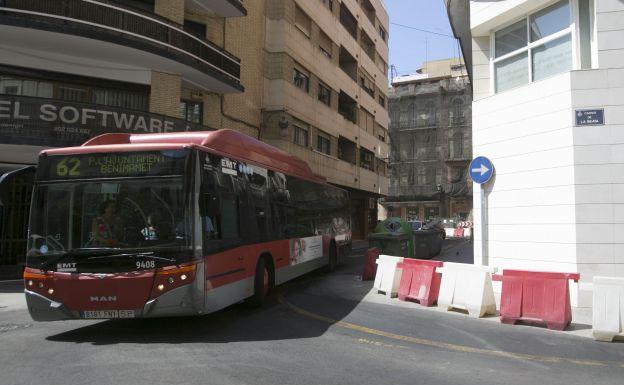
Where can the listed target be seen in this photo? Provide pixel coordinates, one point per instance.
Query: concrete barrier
(388, 277)
(467, 287)
(608, 308)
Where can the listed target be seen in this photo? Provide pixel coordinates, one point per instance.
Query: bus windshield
(143, 214)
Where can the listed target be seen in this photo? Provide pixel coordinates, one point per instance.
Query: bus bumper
(44, 309)
(175, 303)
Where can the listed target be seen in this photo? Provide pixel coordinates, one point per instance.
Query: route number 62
(68, 167)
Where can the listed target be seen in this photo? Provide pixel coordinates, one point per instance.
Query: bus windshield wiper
(73, 252)
(148, 254)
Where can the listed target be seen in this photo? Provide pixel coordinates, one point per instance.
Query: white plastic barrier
(388, 275)
(608, 308)
(450, 232)
(467, 232)
(467, 287)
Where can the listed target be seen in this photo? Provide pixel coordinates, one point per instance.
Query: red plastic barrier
(419, 281)
(459, 232)
(370, 266)
(536, 296)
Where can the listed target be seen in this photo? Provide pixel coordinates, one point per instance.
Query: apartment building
(548, 110)
(430, 136)
(315, 76)
(308, 76)
(325, 94)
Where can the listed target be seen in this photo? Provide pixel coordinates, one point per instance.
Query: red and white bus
(175, 224)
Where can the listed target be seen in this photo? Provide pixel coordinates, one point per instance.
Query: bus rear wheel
(333, 257)
(262, 284)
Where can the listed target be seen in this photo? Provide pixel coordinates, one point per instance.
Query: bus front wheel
(262, 283)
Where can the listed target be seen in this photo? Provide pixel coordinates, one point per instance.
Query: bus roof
(223, 142)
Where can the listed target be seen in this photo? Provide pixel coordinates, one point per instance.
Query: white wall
(557, 201)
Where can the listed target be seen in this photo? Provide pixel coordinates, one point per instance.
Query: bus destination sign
(112, 165)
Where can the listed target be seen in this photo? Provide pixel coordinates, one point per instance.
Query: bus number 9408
(146, 264)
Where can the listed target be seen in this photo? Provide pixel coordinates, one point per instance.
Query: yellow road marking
(439, 344)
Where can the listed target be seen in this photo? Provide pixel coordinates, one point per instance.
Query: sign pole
(484, 235)
(481, 171)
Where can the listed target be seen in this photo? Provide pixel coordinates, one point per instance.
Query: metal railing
(128, 26)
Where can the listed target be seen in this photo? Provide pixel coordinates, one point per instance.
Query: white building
(557, 200)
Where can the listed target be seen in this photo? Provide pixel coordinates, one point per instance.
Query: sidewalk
(351, 287)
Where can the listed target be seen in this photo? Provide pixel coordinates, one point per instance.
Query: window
(300, 136)
(325, 44)
(195, 28)
(301, 80)
(367, 159)
(324, 94)
(367, 83)
(114, 97)
(348, 20)
(302, 21)
(412, 115)
(382, 33)
(191, 111)
(367, 121)
(428, 115)
(329, 4)
(534, 48)
(382, 101)
(323, 144)
(457, 112)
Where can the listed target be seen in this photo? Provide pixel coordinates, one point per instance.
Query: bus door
(220, 210)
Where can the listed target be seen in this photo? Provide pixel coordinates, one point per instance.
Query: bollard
(467, 287)
(536, 296)
(420, 281)
(370, 264)
(388, 275)
(608, 308)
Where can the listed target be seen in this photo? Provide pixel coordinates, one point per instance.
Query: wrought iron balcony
(107, 21)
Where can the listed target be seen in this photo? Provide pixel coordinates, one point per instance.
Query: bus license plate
(102, 314)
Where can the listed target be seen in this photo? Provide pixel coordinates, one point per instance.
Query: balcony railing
(110, 21)
(59, 123)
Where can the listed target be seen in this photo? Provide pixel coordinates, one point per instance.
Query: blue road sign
(481, 170)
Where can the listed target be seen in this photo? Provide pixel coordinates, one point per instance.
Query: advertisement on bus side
(305, 249)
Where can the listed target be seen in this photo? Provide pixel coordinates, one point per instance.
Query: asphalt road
(321, 329)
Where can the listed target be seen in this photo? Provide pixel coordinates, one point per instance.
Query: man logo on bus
(103, 298)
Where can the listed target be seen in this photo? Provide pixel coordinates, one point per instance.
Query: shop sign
(50, 122)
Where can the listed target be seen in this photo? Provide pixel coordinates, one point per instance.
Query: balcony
(223, 8)
(108, 32)
(35, 121)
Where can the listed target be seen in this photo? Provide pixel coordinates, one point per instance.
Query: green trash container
(393, 237)
(427, 244)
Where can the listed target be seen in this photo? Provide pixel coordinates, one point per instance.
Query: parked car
(437, 225)
(416, 225)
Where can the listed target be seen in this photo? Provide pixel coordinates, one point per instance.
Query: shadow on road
(237, 323)
(8, 287)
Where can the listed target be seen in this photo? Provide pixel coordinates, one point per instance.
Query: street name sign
(481, 170)
(594, 117)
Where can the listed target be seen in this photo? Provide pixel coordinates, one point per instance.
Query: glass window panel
(45, 90)
(550, 20)
(511, 38)
(585, 33)
(10, 86)
(511, 72)
(552, 58)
